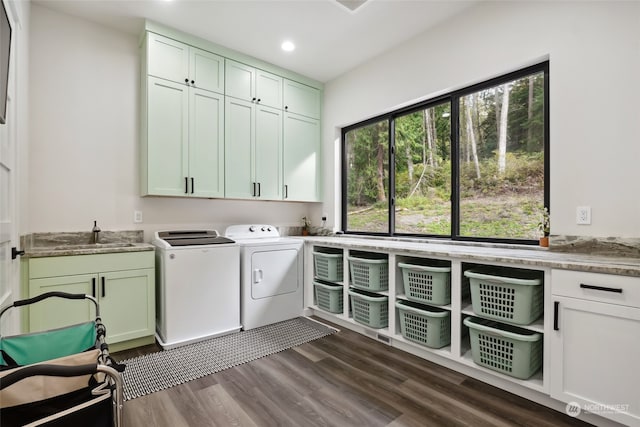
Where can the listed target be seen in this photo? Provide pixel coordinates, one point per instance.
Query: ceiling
(330, 38)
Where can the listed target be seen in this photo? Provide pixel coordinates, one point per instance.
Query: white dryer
(271, 288)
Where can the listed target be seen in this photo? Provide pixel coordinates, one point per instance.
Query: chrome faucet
(96, 232)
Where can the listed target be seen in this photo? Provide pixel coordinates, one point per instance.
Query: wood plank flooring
(342, 380)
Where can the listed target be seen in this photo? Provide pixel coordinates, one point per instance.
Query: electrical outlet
(583, 215)
(137, 216)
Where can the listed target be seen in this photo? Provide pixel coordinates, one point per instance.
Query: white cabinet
(252, 84)
(178, 62)
(594, 345)
(253, 138)
(301, 158)
(183, 141)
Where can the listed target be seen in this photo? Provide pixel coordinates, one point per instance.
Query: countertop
(39, 245)
(522, 255)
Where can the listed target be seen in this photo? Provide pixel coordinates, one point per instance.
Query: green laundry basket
(328, 264)
(329, 297)
(369, 309)
(426, 284)
(369, 272)
(428, 326)
(509, 295)
(505, 348)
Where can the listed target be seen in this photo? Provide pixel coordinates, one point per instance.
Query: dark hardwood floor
(342, 380)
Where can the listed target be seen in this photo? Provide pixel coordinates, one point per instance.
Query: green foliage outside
(496, 200)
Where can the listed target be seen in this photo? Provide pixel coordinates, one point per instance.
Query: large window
(468, 165)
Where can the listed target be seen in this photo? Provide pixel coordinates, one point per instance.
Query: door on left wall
(9, 268)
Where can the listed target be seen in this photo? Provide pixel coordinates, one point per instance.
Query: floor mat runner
(158, 371)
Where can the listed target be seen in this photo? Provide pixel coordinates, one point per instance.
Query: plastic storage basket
(327, 263)
(512, 296)
(369, 272)
(426, 284)
(370, 310)
(427, 326)
(505, 348)
(329, 297)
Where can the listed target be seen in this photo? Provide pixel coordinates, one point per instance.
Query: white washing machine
(197, 286)
(271, 288)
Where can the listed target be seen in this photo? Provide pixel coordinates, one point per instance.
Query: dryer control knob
(264, 229)
(268, 228)
(252, 228)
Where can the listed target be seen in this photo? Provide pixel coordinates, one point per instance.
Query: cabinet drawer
(622, 290)
(88, 264)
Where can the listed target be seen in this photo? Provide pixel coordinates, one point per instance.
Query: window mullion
(392, 176)
(455, 166)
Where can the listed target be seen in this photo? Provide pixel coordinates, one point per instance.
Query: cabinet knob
(258, 99)
(286, 107)
(186, 81)
(253, 100)
(193, 82)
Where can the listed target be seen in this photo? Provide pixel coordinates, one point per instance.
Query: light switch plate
(137, 216)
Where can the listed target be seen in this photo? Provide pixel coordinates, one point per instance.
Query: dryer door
(274, 272)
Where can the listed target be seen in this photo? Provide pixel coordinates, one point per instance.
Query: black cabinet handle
(15, 253)
(193, 182)
(601, 288)
(259, 100)
(186, 185)
(556, 309)
(286, 107)
(93, 287)
(193, 82)
(103, 290)
(186, 81)
(253, 100)
(253, 192)
(259, 190)
(286, 191)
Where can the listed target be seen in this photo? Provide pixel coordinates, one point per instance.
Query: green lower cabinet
(126, 297)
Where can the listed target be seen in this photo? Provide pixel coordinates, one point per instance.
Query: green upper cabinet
(223, 124)
(301, 158)
(253, 145)
(178, 62)
(252, 84)
(301, 99)
(182, 121)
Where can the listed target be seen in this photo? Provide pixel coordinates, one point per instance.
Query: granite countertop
(523, 255)
(38, 245)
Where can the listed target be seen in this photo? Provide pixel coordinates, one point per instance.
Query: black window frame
(454, 99)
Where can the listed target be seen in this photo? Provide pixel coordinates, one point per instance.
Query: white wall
(594, 54)
(84, 122)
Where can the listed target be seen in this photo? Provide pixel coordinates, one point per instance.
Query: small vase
(305, 232)
(544, 241)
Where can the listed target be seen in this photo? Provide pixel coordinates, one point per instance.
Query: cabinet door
(301, 158)
(58, 312)
(206, 70)
(206, 144)
(239, 80)
(167, 58)
(167, 138)
(238, 137)
(301, 99)
(595, 353)
(268, 89)
(127, 304)
(268, 152)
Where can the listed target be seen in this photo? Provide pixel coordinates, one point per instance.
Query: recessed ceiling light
(288, 46)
